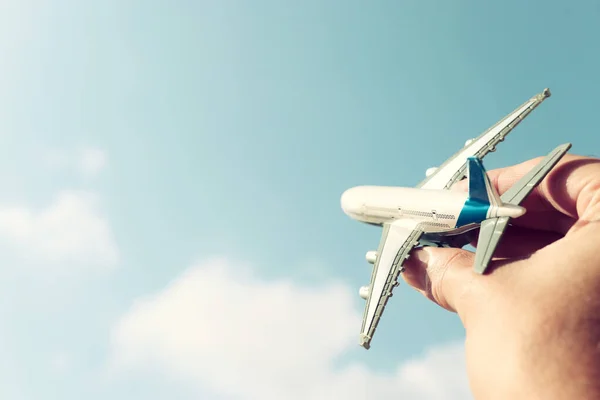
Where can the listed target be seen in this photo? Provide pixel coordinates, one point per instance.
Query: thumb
(441, 274)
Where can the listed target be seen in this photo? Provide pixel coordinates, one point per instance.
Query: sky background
(170, 225)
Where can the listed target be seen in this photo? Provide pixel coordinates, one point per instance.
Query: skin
(533, 323)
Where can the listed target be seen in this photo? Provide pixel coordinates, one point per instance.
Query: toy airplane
(433, 215)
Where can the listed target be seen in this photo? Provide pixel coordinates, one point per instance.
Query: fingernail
(422, 255)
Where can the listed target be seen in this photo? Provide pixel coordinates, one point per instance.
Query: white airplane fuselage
(437, 210)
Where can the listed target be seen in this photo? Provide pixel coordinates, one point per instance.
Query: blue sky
(170, 222)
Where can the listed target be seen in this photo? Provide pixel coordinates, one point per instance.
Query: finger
(441, 274)
(520, 242)
(560, 199)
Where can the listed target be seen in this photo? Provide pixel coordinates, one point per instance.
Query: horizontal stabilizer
(490, 233)
(492, 229)
(519, 191)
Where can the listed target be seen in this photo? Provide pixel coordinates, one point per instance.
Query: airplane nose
(350, 203)
(345, 201)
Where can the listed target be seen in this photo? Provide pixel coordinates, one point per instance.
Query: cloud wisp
(71, 230)
(87, 161)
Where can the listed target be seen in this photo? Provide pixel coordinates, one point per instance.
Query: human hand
(533, 323)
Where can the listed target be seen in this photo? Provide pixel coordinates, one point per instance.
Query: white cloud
(71, 230)
(228, 332)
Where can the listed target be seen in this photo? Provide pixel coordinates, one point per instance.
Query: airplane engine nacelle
(371, 256)
(430, 171)
(363, 292)
(468, 142)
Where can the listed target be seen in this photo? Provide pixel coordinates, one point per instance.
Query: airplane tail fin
(483, 193)
(480, 188)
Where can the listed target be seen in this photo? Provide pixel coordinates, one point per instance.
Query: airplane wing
(397, 240)
(492, 229)
(453, 170)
